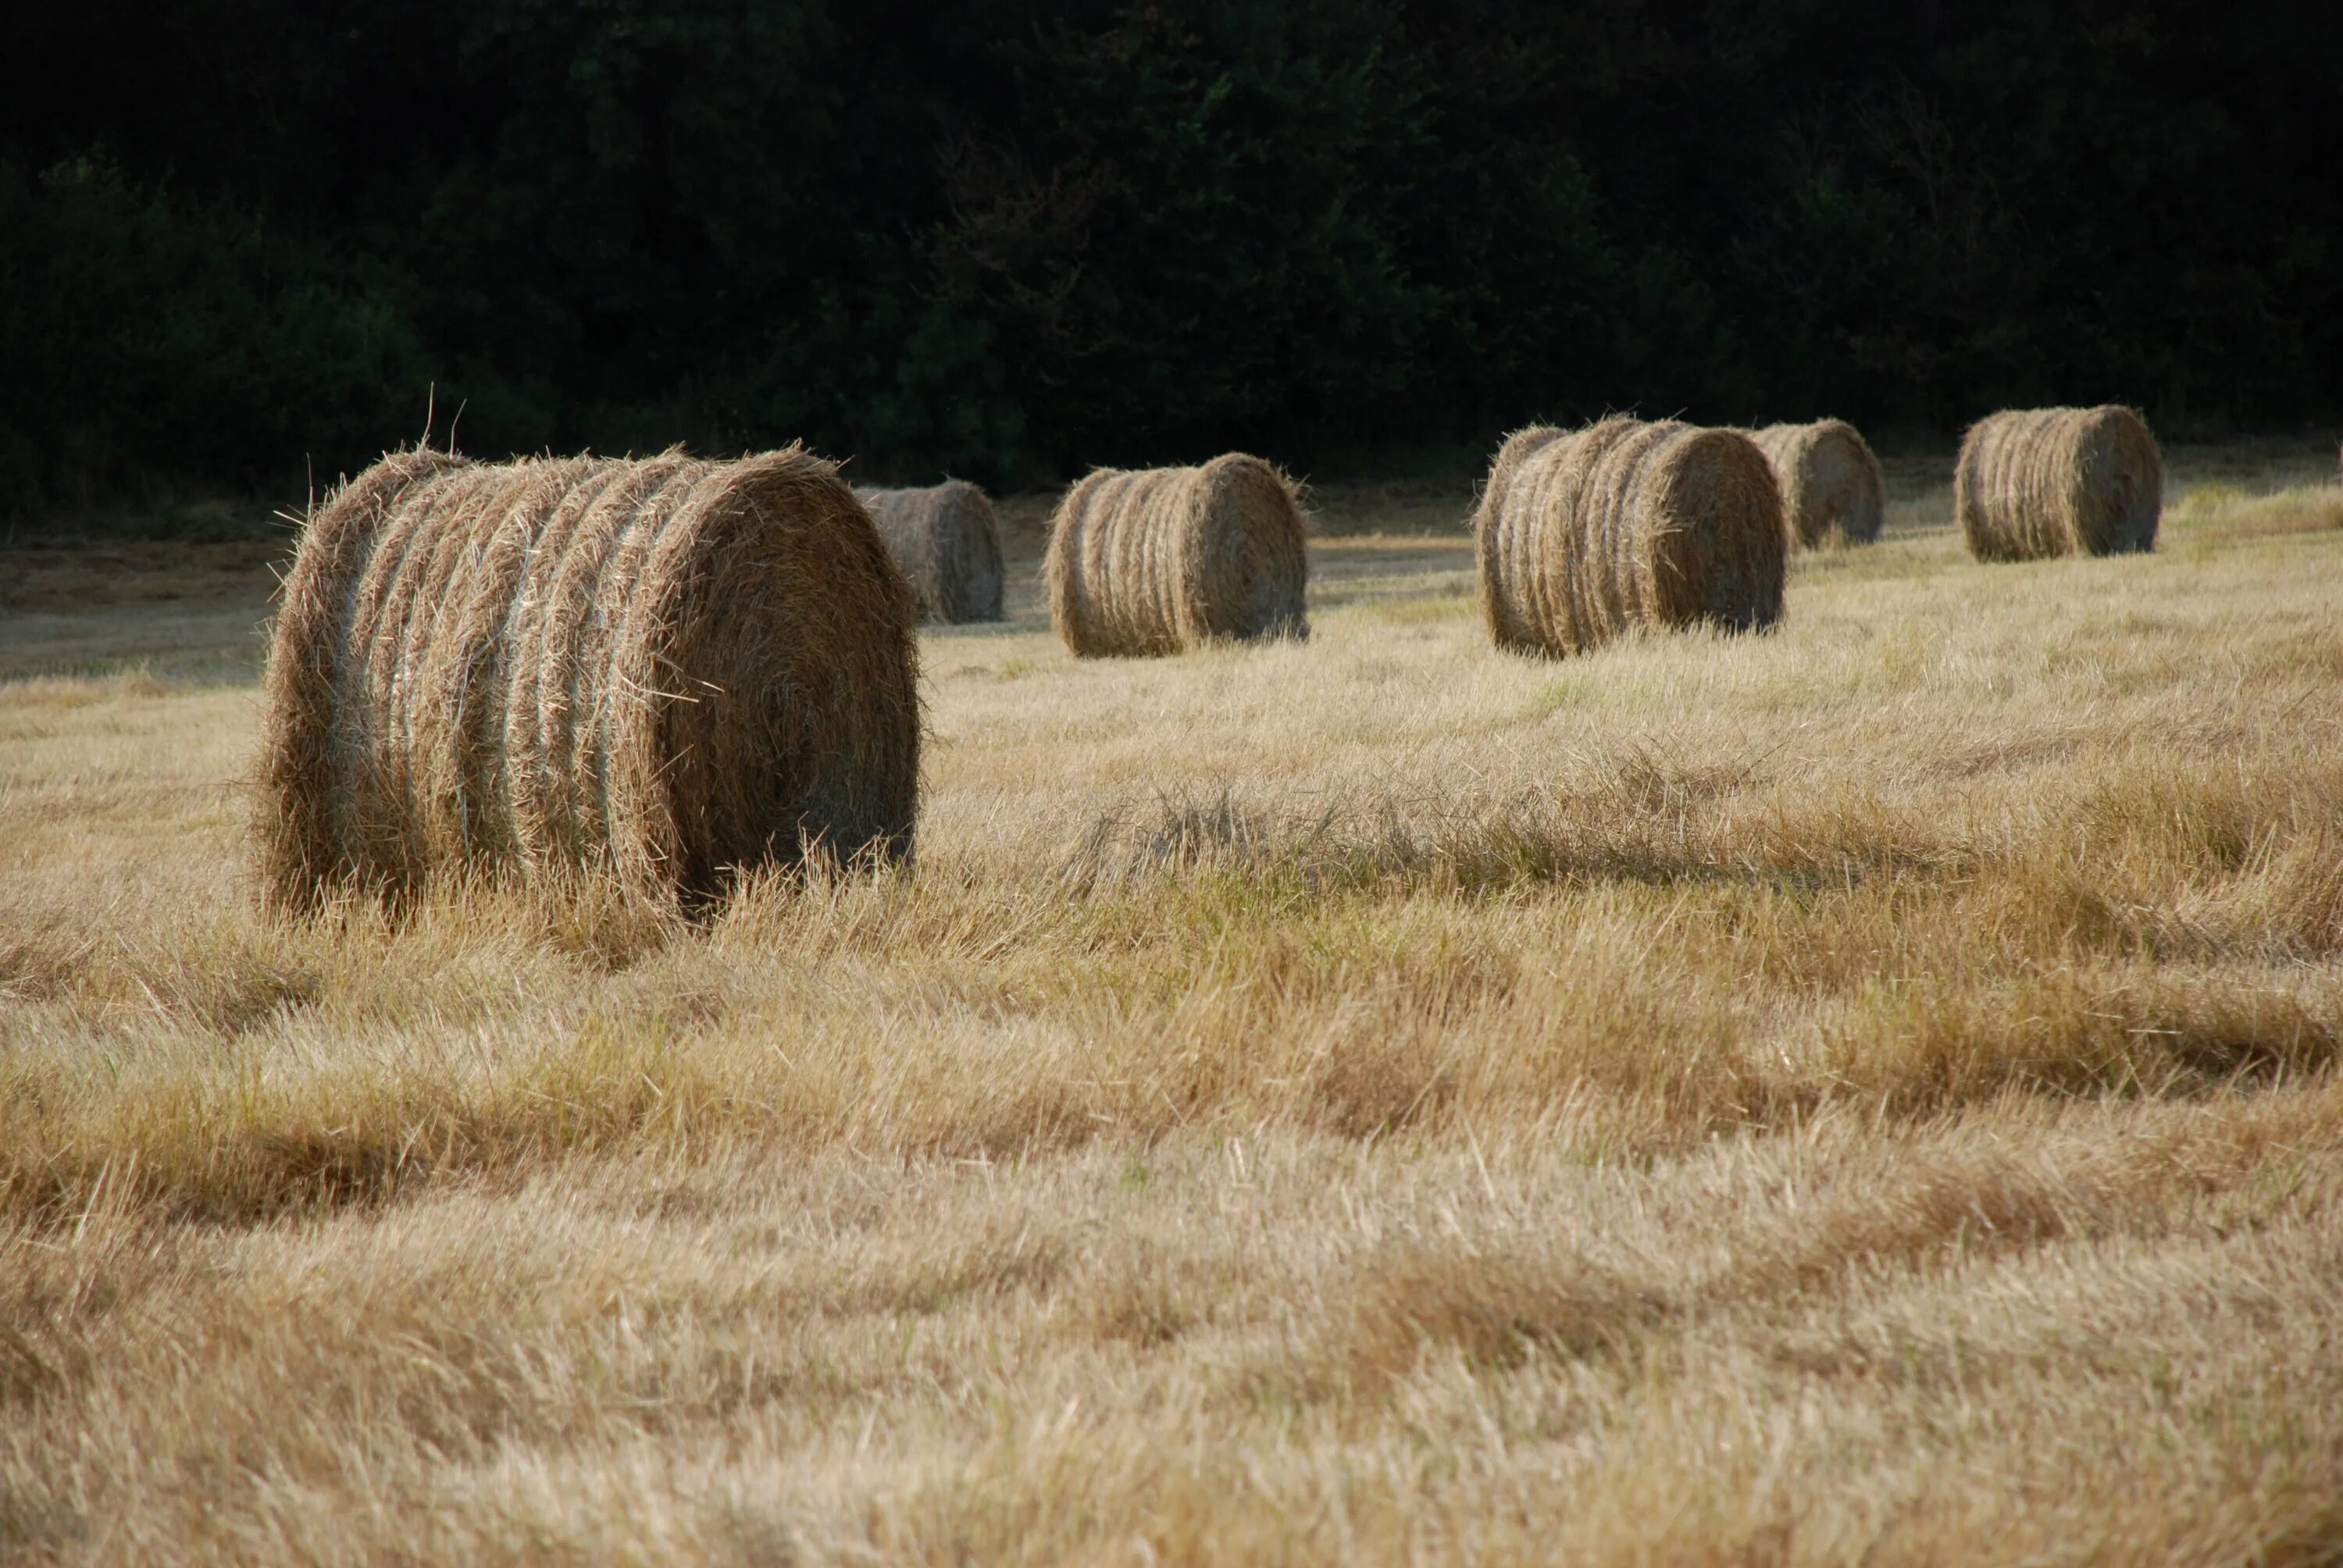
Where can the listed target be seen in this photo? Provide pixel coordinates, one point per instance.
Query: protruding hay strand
(2037, 482)
(656, 671)
(1581, 535)
(946, 541)
(1831, 482)
(1162, 559)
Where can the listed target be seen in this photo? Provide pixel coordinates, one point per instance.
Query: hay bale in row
(1163, 560)
(659, 669)
(1581, 534)
(2037, 482)
(1831, 483)
(946, 542)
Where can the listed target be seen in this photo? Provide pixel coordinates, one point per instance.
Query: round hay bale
(2037, 482)
(1581, 534)
(1162, 559)
(661, 671)
(947, 543)
(1831, 483)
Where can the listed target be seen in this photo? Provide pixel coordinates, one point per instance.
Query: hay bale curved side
(1506, 545)
(1831, 481)
(298, 849)
(658, 670)
(1157, 561)
(1583, 535)
(2031, 483)
(946, 541)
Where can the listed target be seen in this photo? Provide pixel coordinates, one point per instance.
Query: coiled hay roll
(947, 543)
(1830, 482)
(658, 670)
(2036, 482)
(1583, 534)
(1162, 559)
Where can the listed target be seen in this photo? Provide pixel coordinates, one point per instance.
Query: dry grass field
(1865, 1092)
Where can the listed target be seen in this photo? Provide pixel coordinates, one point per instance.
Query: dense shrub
(1008, 238)
(151, 336)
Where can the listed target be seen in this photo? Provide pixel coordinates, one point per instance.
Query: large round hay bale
(947, 543)
(1583, 534)
(1162, 559)
(2037, 482)
(1831, 483)
(659, 670)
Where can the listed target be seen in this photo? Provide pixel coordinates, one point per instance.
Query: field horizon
(1867, 1091)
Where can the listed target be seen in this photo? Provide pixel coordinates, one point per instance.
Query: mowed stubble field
(1865, 1091)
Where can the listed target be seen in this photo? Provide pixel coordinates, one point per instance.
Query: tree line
(241, 240)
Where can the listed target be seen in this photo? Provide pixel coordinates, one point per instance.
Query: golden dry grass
(1862, 1092)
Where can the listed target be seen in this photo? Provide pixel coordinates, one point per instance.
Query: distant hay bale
(947, 543)
(1583, 534)
(1162, 559)
(659, 670)
(1830, 481)
(2036, 482)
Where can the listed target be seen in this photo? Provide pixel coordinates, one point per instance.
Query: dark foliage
(1008, 238)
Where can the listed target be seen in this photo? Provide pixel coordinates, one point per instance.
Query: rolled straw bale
(661, 671)
(1161, 560)
(1583, 534)
(947, 543)
(1830, 481)
(2036, 482)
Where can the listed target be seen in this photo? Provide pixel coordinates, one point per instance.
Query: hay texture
(1162, 559)
(1583, 534)
(2037, 482)
(947, 543)
(659, 670)
(1831, 483)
